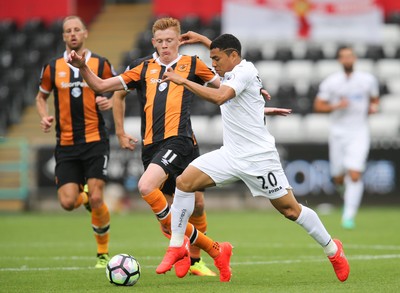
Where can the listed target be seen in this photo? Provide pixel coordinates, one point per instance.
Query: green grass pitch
(55, 252)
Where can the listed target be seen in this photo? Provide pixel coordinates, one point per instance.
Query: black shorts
(78, 163)
(173, 155)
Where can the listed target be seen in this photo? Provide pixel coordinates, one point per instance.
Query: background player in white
(248, 153)
(349, 96)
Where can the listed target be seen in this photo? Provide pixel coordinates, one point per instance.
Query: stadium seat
(253, 54)
(215, 24)
(215, 124)
(299, 69)
(201, 128)
(312, 90)
(393, 17)
(143, 42)
(387, 68)
(7, 28)
(17, 43)
(191, 23)
(208, 32)
(383, 89)
(268, 50)
(329, 49)
(316, 127)
(286, 129)
(128, 57)
(270, 70)
(197, 49)
(325, 67)
(367, 65)
(32, 28)
(374, 52)
(391, 34)
(286, 91)
(202, 107)
(393, 85)
(132, 125)
(6, 60)
(390, 104)
(132, 108)
(314, 53)
(384, 125)
(283, 53)
(45, 43)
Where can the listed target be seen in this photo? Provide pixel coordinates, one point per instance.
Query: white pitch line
(245, 263)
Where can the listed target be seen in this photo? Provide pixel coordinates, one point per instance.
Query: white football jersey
(244, 132)
(358, 88)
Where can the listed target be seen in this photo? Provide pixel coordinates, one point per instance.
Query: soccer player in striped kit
(82, 148)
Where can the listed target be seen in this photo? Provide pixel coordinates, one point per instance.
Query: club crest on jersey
(229, 76)
(162, 86)
(76, 92)
(182, 67)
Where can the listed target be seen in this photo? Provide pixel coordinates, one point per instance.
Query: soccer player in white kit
(349, 96)
(248, 154)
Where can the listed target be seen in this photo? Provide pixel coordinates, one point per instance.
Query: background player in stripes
(82, 149)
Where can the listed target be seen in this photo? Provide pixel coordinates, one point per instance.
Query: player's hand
(127, 142)
(342, 104)
(103, 103)
(277, 111)
(192, 38)
(45, 123)
(373, 108)
(170, 75)
(76, 60)
(265, 94)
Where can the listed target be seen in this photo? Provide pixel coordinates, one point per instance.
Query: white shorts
(349, 152)
(262, 177)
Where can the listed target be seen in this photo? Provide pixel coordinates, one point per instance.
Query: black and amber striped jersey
(165, 106)
(78, 118)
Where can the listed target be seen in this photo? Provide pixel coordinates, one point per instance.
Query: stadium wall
(306, 166)
(49, 10)
(208, 8)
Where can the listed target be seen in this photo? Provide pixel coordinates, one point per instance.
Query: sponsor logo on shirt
(183, 67)
(73, 84)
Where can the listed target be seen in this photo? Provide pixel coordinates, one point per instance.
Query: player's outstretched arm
(125, 141)
(277, 111)
(217, 96)
(95, 83)
(46, 120)
(192, 38)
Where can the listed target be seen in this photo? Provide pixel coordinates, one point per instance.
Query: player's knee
(184, 185)
(67, 204)
(290, 214)
(96, 200)
(145, 188)
(355, 177)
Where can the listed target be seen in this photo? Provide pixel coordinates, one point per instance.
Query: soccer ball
(123, 270)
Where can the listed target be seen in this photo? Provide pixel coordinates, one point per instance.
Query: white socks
(181, 210)
(310, 221)
(352, 197)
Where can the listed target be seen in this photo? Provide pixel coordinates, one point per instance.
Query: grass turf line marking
(359, 257)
